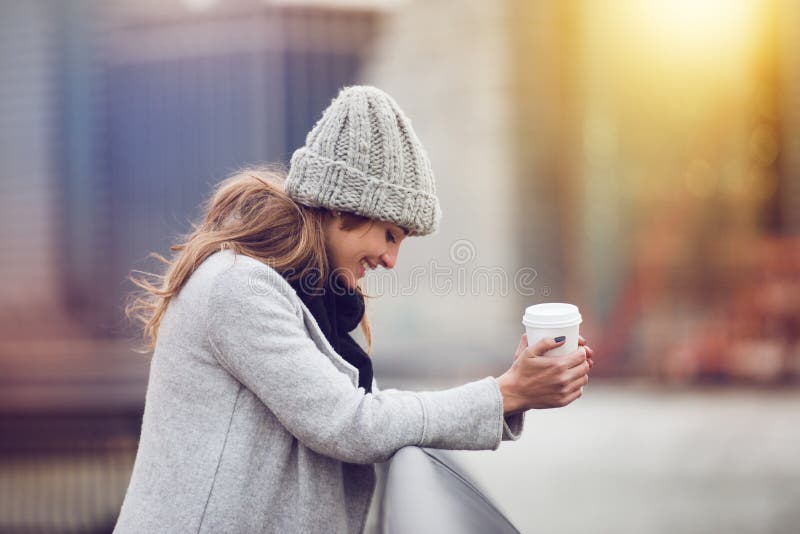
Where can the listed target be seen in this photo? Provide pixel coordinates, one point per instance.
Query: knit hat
(363, 157)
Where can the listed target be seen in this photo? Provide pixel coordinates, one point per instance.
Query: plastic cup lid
(551, 315)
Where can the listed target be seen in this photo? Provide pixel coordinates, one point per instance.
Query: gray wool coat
(253, 423)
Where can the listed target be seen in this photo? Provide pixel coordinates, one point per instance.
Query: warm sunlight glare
(699, 29)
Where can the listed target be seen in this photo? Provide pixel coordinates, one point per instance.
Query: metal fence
(64, 473)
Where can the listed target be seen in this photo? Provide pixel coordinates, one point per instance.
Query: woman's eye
(389, 236)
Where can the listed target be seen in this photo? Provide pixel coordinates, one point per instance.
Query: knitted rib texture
(363, 157)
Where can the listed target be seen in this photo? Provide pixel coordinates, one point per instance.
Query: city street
(630, 458)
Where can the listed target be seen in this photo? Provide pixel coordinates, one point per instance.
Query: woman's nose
(388, 259)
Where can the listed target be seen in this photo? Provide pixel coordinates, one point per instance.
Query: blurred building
(570, 165)
(148, 105)
(638, 161)
(29, 197)
(787, 73)
(116, 119)
(450, 69)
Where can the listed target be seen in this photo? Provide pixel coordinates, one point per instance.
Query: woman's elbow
(357, 451)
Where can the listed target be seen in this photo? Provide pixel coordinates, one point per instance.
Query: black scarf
(338, 310)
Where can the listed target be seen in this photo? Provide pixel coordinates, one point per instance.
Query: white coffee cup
(553, 319)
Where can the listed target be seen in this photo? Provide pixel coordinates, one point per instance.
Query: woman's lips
(361, 271)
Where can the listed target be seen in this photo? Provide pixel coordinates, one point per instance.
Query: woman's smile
(365, 265)
(355, 251)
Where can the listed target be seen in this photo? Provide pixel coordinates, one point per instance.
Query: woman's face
(375, 243)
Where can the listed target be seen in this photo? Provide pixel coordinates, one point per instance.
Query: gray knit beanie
(363, 157)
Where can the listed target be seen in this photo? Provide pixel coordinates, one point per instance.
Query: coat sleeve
(512, 424)
(258, 335)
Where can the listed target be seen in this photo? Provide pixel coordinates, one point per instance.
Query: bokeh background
(638, 158)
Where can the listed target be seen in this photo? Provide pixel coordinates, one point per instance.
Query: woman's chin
(348, 280)
(352, 282)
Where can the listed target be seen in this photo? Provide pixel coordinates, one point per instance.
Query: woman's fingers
(577, 372)
(577, 358)
(523, 344)
(589, 355)
(543, 345)
(577, 384)
(572, 397)
(582, 343)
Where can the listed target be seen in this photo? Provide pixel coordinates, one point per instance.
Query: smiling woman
(262, 414)
(353, 253)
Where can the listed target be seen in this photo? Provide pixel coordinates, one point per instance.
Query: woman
(261, 412)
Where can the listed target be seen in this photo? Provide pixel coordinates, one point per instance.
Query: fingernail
(559, 339)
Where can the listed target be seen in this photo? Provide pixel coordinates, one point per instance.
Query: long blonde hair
(250, 213)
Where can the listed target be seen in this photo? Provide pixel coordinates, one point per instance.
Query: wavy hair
(250, 213)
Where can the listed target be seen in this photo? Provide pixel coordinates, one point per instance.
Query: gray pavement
(635, 458)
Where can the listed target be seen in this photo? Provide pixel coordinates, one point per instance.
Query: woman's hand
(538, 381)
